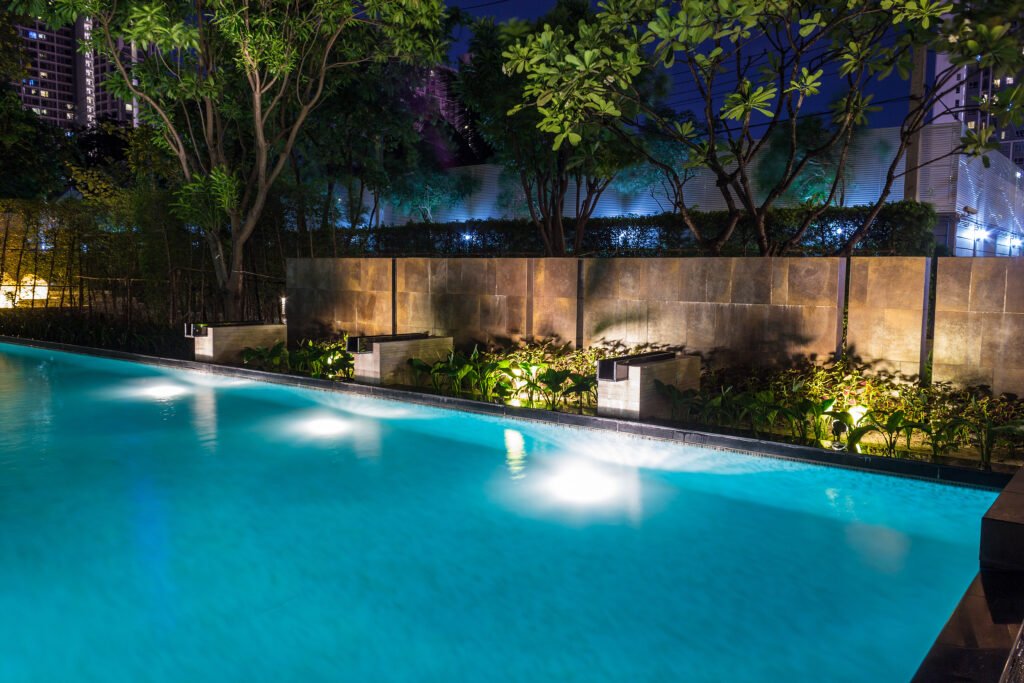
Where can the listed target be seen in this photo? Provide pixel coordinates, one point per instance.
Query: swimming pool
(163, 525)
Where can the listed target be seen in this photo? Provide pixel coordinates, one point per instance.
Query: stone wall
(484, 300)
(886, 312)
(470, 299)
(979, 323)
(329, 296)
(730, 310)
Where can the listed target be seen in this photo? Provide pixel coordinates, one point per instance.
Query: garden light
(857, 413)
(838, 429)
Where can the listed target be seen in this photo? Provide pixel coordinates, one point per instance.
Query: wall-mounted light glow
(976, 234)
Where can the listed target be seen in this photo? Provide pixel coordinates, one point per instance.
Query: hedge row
(901, 229)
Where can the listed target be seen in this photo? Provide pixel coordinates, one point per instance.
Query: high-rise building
(972, 88)
(63, 85)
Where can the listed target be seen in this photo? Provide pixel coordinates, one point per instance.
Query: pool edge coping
(914, 469)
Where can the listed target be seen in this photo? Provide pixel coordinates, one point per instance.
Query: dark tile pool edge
(981, 641)
(947, 474)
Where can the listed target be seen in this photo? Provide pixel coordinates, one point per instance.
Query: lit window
(970, 124)
(1002, 135)
(44, 93)
(997, 83)
(128, 107)
(1009, 80)
(43, 74)
(33, 35)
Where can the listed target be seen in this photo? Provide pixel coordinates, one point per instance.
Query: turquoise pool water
(158, 525)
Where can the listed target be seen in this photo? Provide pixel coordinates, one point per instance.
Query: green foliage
(531, 151)
(900, 229)
(229, 85)
(422, 191)
(890, 427)
(576, 78)
(319, 359)
(32, 152)
(93, 329)
(534, 375)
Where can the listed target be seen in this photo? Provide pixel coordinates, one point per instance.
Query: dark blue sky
(891, 93)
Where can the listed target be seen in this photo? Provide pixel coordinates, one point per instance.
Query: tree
(814, 184)
(544, 168)
(31, 152)
(664, 165)
(757, 70)
(229, 86)
(424, 190)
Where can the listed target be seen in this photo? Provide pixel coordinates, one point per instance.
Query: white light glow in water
(581, 483)
(164, 392)
(324, 427)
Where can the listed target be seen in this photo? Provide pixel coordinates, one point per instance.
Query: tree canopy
(756, 68)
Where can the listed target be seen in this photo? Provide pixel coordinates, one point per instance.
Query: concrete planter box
(386, 361)
(634, 396)
(224, 342)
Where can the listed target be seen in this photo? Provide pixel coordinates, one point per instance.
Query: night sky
(891, 93)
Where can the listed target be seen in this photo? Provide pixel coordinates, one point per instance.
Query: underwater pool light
(164, 392)
(581, 483)
(324, 427)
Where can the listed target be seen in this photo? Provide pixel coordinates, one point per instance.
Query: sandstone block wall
(729, 310)
(329, 296)
(484, 300)
(887, 312)
(979, 323)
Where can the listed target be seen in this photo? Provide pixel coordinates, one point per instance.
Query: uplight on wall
(976, 234)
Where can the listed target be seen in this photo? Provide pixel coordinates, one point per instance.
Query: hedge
(901, 229)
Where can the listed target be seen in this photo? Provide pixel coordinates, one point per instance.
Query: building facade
(64, 85)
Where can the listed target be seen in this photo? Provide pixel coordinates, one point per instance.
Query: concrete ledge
(225, 343)
(637, 397)
(387, 361)
(868, 463)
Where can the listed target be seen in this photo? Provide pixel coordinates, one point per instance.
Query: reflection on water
(879, 547)
(204, 417)
(515, 453)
